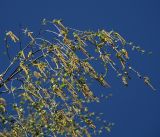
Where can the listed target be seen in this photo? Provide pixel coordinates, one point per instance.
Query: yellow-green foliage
(51, 74)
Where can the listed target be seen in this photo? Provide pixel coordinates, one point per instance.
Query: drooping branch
(56, 68)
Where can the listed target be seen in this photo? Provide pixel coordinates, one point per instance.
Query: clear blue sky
(134, 110)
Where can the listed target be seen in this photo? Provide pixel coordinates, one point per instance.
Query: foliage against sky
(51, 75)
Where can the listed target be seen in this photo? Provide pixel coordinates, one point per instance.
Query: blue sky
(134, 110)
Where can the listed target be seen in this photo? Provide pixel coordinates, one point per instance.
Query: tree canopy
(50, 77)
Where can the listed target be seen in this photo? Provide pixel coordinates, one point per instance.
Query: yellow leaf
(12, 36)
(37, 74)
(30, 35)
(22, 54)
(125, 53)
(120, 38)
(24, 68)
(29, 54)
